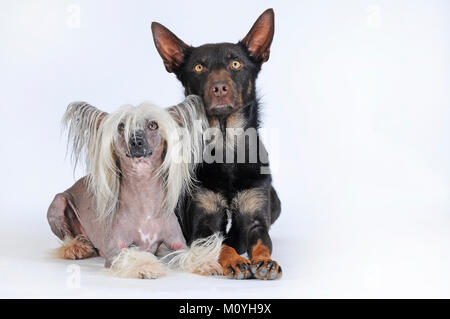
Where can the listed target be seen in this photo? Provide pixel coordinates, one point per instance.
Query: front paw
(237, 268)
(134, 263)
(149, 271)
(266, 269)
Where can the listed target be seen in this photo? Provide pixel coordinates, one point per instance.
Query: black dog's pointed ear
(169, 46)
(259, 38)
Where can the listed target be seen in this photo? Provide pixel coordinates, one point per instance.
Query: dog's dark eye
(198, 68)
(153, 125)
(236, 65)
(121, 127)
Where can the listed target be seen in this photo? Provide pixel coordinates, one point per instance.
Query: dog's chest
(146, 231)
(137, 229)
(139, 221)
(231, 178)
(227, 173)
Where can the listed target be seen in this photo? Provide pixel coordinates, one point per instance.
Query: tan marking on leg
(209, 201)
(250, 200)
(263, 267)
(231, 262)
(76, 248)
(260, 251)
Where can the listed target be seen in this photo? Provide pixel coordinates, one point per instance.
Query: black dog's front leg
(259, 250)
(208, 212)
(256, 212)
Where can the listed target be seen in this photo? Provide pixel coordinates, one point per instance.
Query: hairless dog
(138, 167)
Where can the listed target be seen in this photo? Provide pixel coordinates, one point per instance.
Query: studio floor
(328, 261)
(27, 269)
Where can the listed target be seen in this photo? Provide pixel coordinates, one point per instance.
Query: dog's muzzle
(221, 109)
(220, 94)
(138, 145)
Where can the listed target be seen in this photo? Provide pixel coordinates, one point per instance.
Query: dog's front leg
(252, 207)
(259, 250)
(64, 223)
(209, 215)
(234, 266)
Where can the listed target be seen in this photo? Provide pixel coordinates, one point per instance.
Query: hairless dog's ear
(169, 46)
(259, 38)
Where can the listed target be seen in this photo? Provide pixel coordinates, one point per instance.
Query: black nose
(220, 89)
(138, 145)
(137, 142)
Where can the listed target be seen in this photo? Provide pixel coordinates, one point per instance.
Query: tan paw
(76, 248)
(236, 268)
(266, 269)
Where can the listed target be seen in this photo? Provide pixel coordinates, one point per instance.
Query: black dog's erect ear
(259, 38)
(170, 47)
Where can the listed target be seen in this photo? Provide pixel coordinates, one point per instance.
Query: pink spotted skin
(137, 222)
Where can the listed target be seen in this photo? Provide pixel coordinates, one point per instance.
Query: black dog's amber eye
(198, 68)
(236, 64)
(153, 125)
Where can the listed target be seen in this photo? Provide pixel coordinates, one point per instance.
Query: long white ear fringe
(135, 263)
(201, 258)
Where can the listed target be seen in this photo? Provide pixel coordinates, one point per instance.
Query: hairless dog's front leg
(65, 225)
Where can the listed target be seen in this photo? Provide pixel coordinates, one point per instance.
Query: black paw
(266, 269)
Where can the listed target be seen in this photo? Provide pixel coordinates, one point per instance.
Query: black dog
(224, 76)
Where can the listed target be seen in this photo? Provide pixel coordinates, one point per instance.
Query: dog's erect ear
(170, 47)
(259, 38)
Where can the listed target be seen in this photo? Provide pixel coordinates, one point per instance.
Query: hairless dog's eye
(153, 125)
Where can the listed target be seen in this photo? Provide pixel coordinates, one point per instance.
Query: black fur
(227, 179)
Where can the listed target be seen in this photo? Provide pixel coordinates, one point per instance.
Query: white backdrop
(357, 92)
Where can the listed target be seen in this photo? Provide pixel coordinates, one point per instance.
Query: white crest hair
(191, 118)
(94, 133)
(82, 121)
